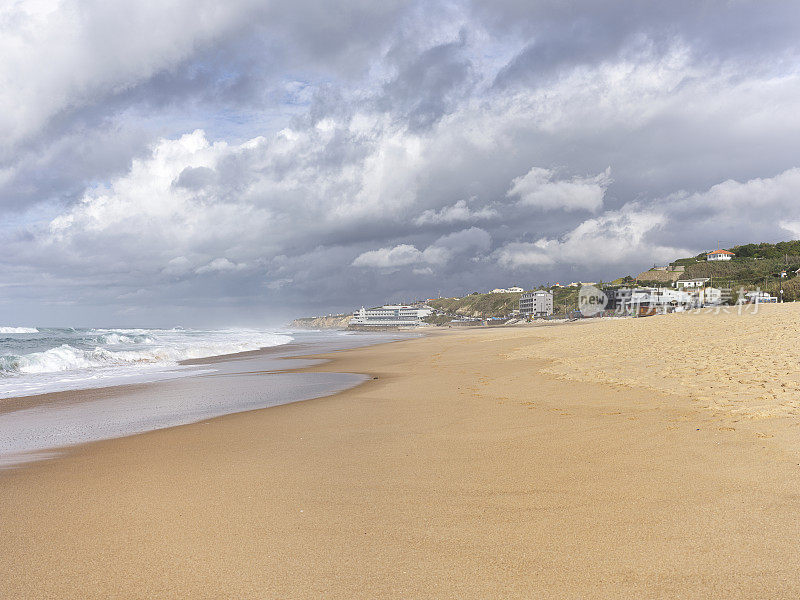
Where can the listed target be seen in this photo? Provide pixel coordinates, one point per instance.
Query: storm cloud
(189, 162)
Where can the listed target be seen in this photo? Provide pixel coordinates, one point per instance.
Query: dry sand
(473, 467)
(742, 362)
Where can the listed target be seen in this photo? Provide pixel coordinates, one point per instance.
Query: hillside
(754, 266)
(750, 273)
(329, 322)
(479, 305)
(500, 305)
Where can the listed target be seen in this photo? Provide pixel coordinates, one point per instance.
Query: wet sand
(41, 425)
(473, 467)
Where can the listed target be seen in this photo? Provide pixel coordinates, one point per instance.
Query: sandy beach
(646, 458)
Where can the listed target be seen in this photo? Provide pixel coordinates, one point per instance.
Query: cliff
(478, 305)
(331, 322)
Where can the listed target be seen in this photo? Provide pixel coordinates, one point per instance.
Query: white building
(692, 284)
(719, 255)
(661, 300)
(538, 303)
(506, 290)
(758, 297)
(390, 316)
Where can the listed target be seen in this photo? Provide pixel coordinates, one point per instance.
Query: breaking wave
(18, 330)
(98, 349)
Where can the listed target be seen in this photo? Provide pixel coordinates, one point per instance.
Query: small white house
(719, 255)
(515, 289)
(692, 284)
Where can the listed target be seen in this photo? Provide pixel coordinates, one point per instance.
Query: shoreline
(27, 417)
(13, 403)
(464, 470)
(279, 352)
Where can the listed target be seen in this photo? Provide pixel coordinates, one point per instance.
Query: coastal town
(730, 279)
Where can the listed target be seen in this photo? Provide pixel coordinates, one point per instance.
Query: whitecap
(18, 330)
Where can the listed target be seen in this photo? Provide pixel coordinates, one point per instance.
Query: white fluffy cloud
(615, 237)
(147, 219)
(537, 189)
(661, 229)
(59, 54)
(219, 265)
(752, 196)
(733, 212)
(440, 252)
(793, 227)
(458, 212)
(399, 256)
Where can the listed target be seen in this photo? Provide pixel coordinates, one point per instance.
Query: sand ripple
(744, 363)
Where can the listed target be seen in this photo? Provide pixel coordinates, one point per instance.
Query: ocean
(37, 360)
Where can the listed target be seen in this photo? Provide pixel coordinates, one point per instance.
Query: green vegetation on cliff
(749, 273)
(479, 305)
(765, 250)
(754, 266)
(499, 305)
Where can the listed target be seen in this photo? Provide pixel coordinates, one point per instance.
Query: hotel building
(538, 303)
(390, 316)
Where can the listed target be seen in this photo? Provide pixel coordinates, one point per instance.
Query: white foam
(117, 339)
(127, 331)
(18, 330)
(140, 354)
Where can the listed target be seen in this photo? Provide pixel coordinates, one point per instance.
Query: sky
(194, 162)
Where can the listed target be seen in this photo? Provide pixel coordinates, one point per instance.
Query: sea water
(36, 360)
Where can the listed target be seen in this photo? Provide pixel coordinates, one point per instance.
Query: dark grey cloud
(718, 29)
(428, 84)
